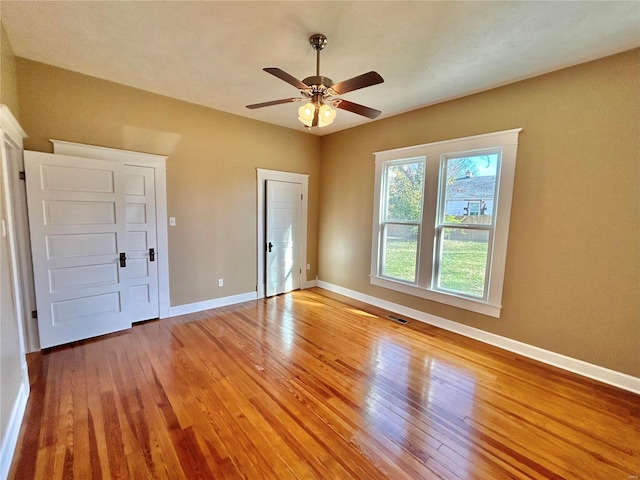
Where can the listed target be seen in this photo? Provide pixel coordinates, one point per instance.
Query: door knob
(152, 254)
(123, 259)
(269, 247)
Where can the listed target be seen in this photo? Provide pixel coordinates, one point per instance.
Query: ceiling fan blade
(355, 83)
(356, 108)
(273, 102)
(282, 75)
(315, 116)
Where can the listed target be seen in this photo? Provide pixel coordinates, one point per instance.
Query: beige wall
(572, 274)
(8, 79)
(211, 171)
(573, 263)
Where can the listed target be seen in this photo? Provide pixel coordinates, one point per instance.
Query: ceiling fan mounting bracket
(318, 41)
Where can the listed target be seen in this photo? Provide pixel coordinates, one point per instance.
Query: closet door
(142, 265)
(77, 212)
(284, 207)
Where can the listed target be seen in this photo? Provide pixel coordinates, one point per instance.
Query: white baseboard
(605, 375)
(10, 439)
(306, 284)
(310, 284)
(215, 303)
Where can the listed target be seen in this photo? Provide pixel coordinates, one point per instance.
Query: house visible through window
(474, 208)
(441, 220)
(464, 238)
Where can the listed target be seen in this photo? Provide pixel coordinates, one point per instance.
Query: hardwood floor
(306, 386)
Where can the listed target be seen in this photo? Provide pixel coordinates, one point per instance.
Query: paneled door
(141, 246)
(77, 208)
(284, 204)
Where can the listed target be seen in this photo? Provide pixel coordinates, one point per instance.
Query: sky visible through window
(481, 164)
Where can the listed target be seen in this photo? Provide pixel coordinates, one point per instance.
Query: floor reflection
(285, 328)
(412, 395)
(361, 313)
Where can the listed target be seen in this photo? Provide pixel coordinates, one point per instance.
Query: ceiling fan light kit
(325, 115)
(320, 92)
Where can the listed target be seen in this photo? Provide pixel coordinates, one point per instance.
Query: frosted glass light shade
(305, 114)
(326, 114)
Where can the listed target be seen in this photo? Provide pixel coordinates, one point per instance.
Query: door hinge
(22, 175)
(301, 196)
(34, 314)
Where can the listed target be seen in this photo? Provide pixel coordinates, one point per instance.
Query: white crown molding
(74, 149)
(580, 367)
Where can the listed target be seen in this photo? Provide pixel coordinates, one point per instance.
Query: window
(463, 240)
(401, 218)
(441, 220)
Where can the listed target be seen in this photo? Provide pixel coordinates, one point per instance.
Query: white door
(284, 205)
(141, 247)
(78, 240)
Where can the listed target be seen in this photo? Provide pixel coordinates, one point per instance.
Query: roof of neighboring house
(472, 188)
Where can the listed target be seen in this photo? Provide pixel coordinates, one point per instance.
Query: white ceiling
(212, 53)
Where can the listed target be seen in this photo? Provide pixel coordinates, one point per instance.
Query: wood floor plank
(312, 385)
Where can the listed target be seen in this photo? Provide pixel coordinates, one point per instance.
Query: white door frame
(303, 179)
(17, 191)
(158, 163)
(12, 132)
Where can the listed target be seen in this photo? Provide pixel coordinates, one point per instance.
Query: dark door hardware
(123, 259)
(269, 247)
(152, 254)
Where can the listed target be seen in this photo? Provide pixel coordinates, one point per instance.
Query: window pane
(404, 192)
(463, 260)
(400, 252)
(471, 187)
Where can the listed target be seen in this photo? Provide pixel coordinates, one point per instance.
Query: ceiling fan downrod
(317, 83)
(318, 42)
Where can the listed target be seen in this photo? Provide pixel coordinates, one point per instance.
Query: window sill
(440, 297)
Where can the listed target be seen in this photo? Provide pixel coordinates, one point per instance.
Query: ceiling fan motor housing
(318, 84)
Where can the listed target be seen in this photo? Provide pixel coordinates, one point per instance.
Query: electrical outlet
(172, 221)
(220, 282)
(308, 266)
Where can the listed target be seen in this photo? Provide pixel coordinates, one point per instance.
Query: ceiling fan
(320, 92)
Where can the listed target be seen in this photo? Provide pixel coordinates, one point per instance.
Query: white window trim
(508, 140)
